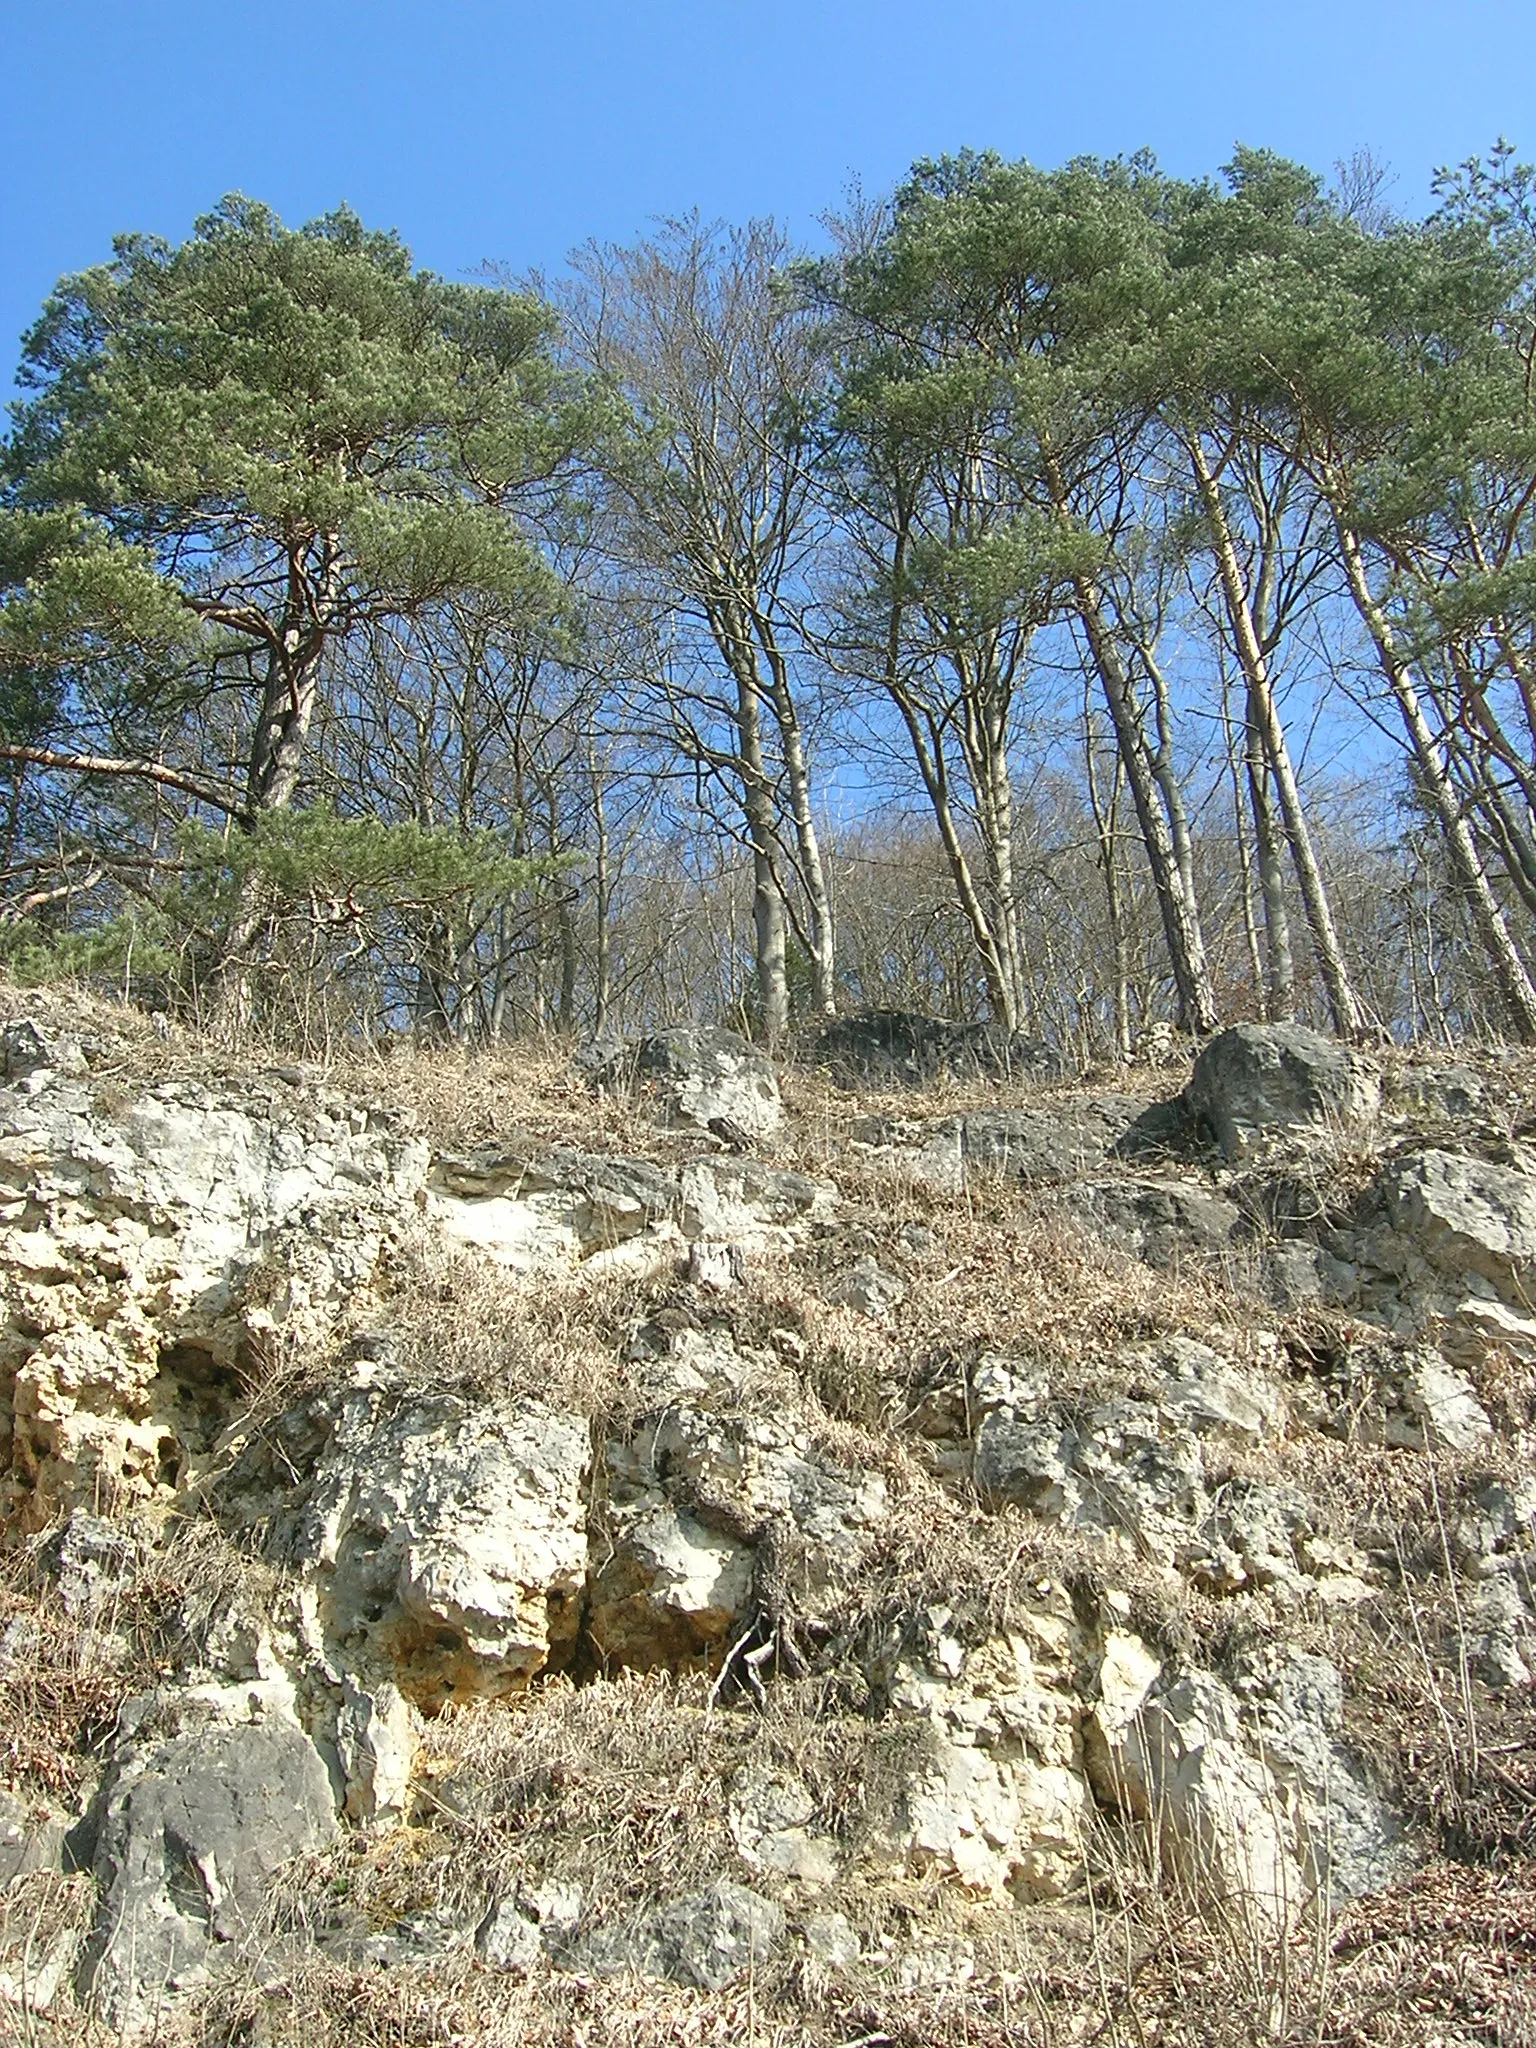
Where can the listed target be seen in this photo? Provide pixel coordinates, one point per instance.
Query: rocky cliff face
(846, 1552)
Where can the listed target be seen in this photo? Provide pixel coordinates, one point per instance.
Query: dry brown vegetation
(623, 1786)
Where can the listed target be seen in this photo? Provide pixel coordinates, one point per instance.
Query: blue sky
(509, 132)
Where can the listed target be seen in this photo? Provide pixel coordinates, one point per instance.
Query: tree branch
(147, 771)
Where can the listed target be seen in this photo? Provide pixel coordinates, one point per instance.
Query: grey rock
(244, 1222)
(1259, 1085)
(95, 1559)
(1504, 1633)
(1348, 1840)
(508, 1938)
(1439, 1408)
(903, 1049)
(1466, 1216)
(1180, 1765)
(1164, 1222)
(31, 1838)
(831, 1939)
(377, 1735)
(700, 1074)
(1039, 1145)
(1029, 1465)
(706, 1939)
(192, 1828)
(1453, 1093)
(689, 1497)
(1044, 1145)
(443, 1534)
(28, 1048)
(867, 1287)
(1301, 1275)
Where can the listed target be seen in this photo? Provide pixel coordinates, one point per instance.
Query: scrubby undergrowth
(874, 1335)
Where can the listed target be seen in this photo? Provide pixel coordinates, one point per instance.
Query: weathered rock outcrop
(150, 1253)
(702, 1078)
(194, 1821)
(1257, 1086)
(441, 1537)
(393, 1551)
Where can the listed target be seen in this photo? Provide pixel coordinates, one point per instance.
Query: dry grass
(624, 1787)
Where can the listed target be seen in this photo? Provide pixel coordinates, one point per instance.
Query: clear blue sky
(509, 131)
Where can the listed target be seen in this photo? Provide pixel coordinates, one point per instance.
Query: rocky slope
(631, 1553)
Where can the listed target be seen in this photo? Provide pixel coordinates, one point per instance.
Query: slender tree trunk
(813, 874)
(1180, 915)
(1001, 999)
(1106, 828)
(1280, 970)
(767, 903)
(1348, 1017)
(602, 976)
(1515, 983)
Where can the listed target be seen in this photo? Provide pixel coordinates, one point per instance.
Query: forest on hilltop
(1084, 599)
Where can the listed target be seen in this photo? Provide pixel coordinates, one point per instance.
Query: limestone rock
(1466, 1217)
(444, 1535)
(701, 1076)
(996, 1798)
(1181, 1767)
(866, 1286)
(377, 1736)
(1346, 1839)
(1040, 1145)
(508, 1938)
(1138, 1471)
(1165, 1222)
(831, 1939)
(31, 1837)
(531, 1207)
(705, 1939)
(690, 1497)
(193, 1825)
(150, 1252)
(28, 1048)
(772, 1818)
(94, 1560)
(1257, 1085)
(1439, 1408)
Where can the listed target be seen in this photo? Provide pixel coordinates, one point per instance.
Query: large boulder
(152, 1249)
(1467, 1218)
(443, 1535)
(703, 1077)
(904, 1049)
(1258, 1086)
(192, 1825)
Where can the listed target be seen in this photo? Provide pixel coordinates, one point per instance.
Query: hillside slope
(654, 1550)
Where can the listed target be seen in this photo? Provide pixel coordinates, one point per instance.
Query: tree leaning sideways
(232, 456)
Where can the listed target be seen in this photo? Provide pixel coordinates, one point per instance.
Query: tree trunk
(1280, 970)
(289, 697)
(1180, 915)
(1348, 1017)
(1509, 969)
(813, 874)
